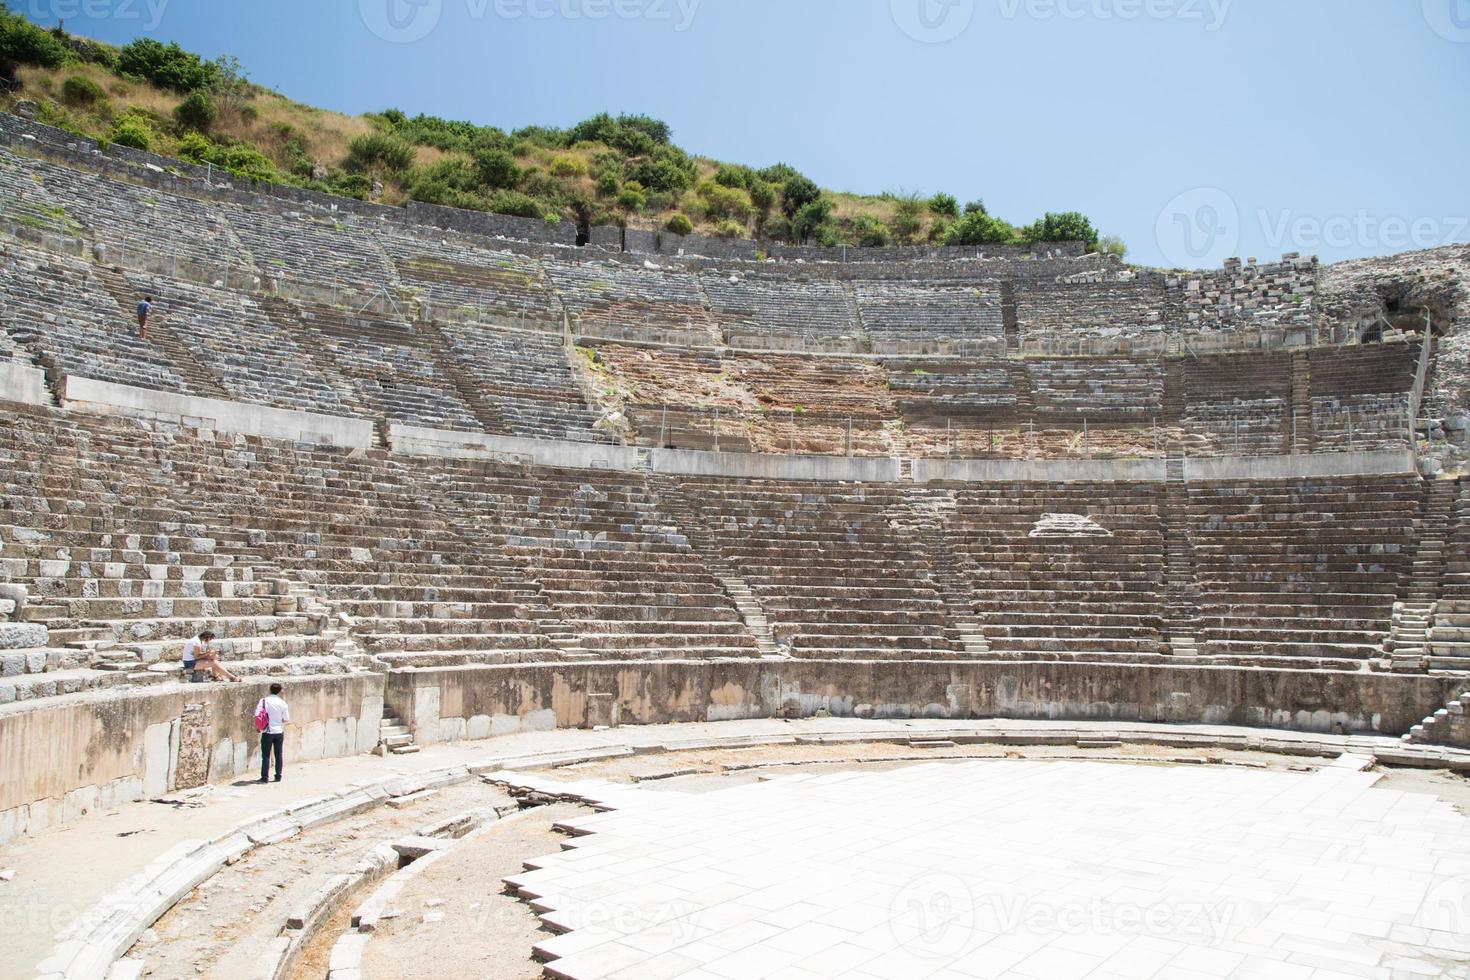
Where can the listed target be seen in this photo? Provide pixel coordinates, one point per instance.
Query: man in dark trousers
(273, 736)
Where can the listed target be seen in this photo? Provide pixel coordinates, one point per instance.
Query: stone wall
(65, 757)
(1242, 294)
(468, 703)
(104, 398)
(70, 756)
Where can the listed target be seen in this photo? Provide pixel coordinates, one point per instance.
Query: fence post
(849, 435)
(1086, 439)
(1351, 442)
(717, 428)
(663, 428)
(791, 432)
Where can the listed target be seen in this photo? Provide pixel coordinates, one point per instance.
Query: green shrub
(566, 165)
(811, 220)
(497, 169)
(669, 169)
(167, 66)
(729, 229)
(378, 151)
(350, 185)
(1069, 226)
(80, 91)
(132, 131)
(908, 217)
(979, 228)
(23, 43)
(679, 224)
(197, 112)
(238, 158)
(631, 198)
(723, 203)
(762, 195)
(609, 182)
(516, 203)
(869, 232)
(634, 135)
(976, 206)
(945, 205)
(538, 183)
(735, 176)
(798, 193)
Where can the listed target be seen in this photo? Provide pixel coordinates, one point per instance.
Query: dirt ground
(457, 920)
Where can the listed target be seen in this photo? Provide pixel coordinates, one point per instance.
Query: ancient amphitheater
(666, 612)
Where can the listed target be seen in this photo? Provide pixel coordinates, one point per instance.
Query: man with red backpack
(272, 715)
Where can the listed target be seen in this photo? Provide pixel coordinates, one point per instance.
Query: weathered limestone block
(22, 636)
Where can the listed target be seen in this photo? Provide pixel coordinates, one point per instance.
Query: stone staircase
(1449, 725)
(201, 380)
(527, 592)
(1181, 595)
(925, 521)
(674, 504)
(1010, 325)
(485, 411)
(855, 317)
(396, 738)
(1408, 646)
(1300, 433)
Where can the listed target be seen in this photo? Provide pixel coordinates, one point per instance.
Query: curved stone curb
(88, 948)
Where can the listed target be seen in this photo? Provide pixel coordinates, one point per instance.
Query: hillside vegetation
(623, 170)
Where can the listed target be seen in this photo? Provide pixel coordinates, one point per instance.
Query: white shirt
(192, 649)
(277, 713)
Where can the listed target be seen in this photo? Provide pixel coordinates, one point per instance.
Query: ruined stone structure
(451, 486)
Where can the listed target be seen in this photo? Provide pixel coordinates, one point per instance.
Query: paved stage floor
(1039, 870)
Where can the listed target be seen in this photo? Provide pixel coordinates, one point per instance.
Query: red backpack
(262, 717)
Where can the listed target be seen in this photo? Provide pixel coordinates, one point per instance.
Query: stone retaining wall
(65, 757)
(450, 704)
(105, 398)
(26, 385)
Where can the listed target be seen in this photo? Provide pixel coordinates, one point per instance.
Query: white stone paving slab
(1014, 869)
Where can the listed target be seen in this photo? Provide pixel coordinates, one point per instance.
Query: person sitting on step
(201, 661)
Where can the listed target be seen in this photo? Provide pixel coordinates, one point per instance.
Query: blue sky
(1194, 129)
